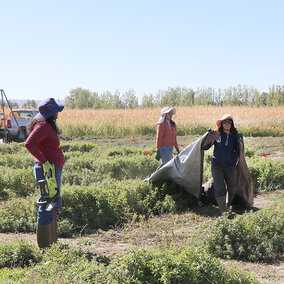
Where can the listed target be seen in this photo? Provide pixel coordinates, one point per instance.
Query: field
(268, 121)
(115, 228)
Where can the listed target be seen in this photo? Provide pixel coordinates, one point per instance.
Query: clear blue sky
(50, 47)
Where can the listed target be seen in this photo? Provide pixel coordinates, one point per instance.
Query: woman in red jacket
(44, 144)
(166, 136)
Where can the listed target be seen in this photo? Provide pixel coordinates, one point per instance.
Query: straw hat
(224, 117)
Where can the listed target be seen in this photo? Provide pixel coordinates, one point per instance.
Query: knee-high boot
(43, 233)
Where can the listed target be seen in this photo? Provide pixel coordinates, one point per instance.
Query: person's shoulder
(43, 125)
(162, 124)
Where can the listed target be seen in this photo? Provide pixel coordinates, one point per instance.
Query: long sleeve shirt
(44, 144)
(166, 135)
(226, 150)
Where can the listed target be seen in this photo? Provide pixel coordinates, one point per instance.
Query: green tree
(117, 103)
(158, 98)
(218, 100)
(172, 97)
(188, 96)
(148, 101)
(80, 98)
(106, 100)
(204, 96)
(129, 99)
(30, 104)
(276, 95)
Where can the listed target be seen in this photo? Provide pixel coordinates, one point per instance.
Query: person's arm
(207, 146)
(160, 134)
(176, 143)
(36, 136)
(210, 139)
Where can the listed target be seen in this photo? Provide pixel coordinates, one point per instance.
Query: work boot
(43, 233)
(221, 201)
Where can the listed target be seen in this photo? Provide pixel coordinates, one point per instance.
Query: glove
(48, 169)
(49, 173)
(158, 155)
(178, 150)
(210, 130)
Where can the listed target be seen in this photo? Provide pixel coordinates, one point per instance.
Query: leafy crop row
(256, 236)
(103, 186)
(62, 264)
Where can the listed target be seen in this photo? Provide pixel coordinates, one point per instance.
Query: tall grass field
(251, 121)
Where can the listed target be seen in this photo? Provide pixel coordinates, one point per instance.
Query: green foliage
(18, 254)
(12, 148)
(177, 96)
(110, 203)
(100, 164)
(267, 175)
(103, 186)
(81, 147)
(30, 104)
(186, 266)
(17, 182)
(84, 98)
(254, 236)
(18, 215)
(62, 264)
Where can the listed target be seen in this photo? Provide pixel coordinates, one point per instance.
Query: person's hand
(158, 155)
(210, 130)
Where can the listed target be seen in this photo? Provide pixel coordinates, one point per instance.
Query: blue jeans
(45, 217)
(166, 155)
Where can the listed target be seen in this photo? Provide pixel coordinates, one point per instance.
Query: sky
(50, 47)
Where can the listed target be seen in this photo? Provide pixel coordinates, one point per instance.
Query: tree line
(13, 105)
(80, 98)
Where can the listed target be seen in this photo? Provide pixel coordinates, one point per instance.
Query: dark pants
(224, 181)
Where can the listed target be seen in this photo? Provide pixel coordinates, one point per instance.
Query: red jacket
(44, 144)
(166, 136)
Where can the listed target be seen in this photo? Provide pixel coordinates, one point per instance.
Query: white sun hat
(164, 111)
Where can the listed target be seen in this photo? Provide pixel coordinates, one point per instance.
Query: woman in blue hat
(44, 144)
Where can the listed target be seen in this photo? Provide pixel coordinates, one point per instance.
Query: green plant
(255, 236)
(18, 215)
(18, 254)
(173, 266)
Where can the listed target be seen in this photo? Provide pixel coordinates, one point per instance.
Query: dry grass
(142, 121)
